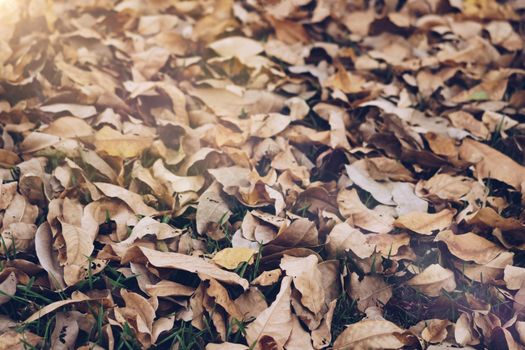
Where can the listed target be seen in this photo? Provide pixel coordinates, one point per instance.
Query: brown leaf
(212, 209)
(490, 163)
(133, 200)
(426, 223)
(113, 143)
(13, 340)
(274, 325)
(351, 207)
(370, 334)
(469, 246)
(8, 288)
(183, 262)
(433, 279)
(370, 291)
(307, 280)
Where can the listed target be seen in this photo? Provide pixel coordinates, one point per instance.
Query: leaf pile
(288, 174)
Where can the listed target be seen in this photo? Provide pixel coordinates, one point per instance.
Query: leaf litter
(290, 174)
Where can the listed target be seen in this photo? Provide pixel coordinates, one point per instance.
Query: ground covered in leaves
(262, 174)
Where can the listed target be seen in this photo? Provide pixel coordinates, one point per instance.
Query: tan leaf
(81, 111)
(433, 279)
(322, 336)
(47, 257)
(369, 334)
(464, 332)
(236, 46)
(174, 183)
(488, 272)
(269, 124)
(488, 217)
(469, 246)
(435, 330)
(211, 209)
(133, 200)
(225, 103)
(8, 288)
(267, 278)
(351, 207)
(168, 288)
(69, 127)
(490, 163)
(426, 223)
(370, 291)
(307, 280)
(17, 237)
(79, 245)
(13, 340)
(445, 187)
(226, 346)
(142, 310)
(442, 145)
(299, 338)
(514, 276)
(344, 237)
(251, 303)
(150, 227)
(183, 262)
(7, 193)
(464, 120)
(358, 173)
(65, 332)
(274, 325)
(382, 168)
(222, 298)
(76, 297)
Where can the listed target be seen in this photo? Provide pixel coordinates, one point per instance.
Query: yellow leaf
(230, 258)
(114, 143)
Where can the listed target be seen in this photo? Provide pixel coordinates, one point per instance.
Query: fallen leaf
(274, 325)
(81, 111)
(113, 143)
(433, 279)
(426, 223)
(237, 46)
(230, 258)
(490, 163)
(307, 280)
(133, 200)
(370, 334)
(211, 209)
(470, 247)
(183, 262)
(8, 288)
(370, 291)
(351, 207)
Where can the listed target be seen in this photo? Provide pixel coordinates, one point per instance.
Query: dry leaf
(470, 247)
(490, 163)
(433, 279)
(426, 223)
(212, 209)
(113, 143)
(307, 280)
(230, 258)
(370, 291)
(351, 207)
(133, 200)
(183, 262)
(370, 334)
(273, 326)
